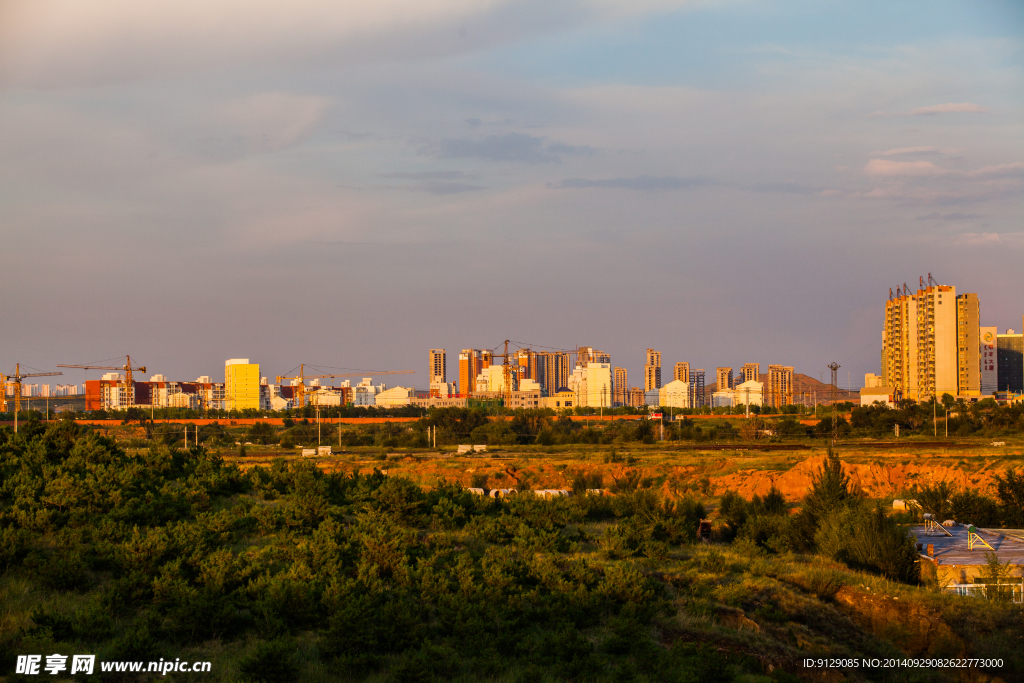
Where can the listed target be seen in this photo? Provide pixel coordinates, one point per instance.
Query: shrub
(270, 662)
(871, 541)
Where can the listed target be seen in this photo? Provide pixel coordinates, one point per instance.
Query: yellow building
(241, 384)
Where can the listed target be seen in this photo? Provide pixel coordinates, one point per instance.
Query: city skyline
(682, 176)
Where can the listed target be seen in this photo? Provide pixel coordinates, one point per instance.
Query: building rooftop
(1008, 545)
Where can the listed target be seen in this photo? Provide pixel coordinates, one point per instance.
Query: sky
(350, 184)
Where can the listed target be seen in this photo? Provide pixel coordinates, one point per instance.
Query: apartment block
(697, 382)
(438, 366)
(681, 373)
(652, 370)
(470, 365)
(1010, 362)
(779, 387)
(931, 343)
(621, 394)
(723, 379)
(553, 370)
(751, 372)
(989, 370)
(241, 384)
(968, 331)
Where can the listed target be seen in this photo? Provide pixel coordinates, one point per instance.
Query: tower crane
(127, 368)
(506, 372)
(300, 388)
(15, 379)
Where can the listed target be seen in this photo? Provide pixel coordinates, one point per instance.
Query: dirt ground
(880, 473)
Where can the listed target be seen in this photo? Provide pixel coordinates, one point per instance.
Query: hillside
(810, 387)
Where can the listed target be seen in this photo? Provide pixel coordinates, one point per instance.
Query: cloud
(58, 43)
(987, 239)
(643, 182)
(785, 187)
(950, 108)
(507, 147)
(441, 187)
(425, 175)
(950, 217)
(1015, 169)
(931, 110)
(908, 150)
(884, 167)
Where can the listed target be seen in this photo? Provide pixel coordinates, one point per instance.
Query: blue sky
(352, 184)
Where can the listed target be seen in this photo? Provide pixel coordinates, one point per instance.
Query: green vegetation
(288, 572)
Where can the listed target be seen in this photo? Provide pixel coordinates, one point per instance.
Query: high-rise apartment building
(588, 354)
(968, 332)
(989, 371)
(438, 366)
(470, 365)
(621, 378)
(779, 388)
(1010, 362)
(751, 371)
(555, 368)
(486, 356)
(652, 370)
(599, 386)
(697, 382)
(681, 372)
(241, 384)
(931, 343)
(723, 379)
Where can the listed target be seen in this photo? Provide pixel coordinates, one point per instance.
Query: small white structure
(392, 398)
(323, 450)
(723, 399)
(675, 394)
(749, 393)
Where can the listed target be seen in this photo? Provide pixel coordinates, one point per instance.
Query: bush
(871, 541)
(270, 662)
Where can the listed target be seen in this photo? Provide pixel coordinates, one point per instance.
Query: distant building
(652, 397)
(681, 372)
(652, 370)
(723, 399)
(438, 367)
(989, 370)
(241, 384)
(723, 379)
(930, 343)
(749, 393)
(636, 397)
(559, 400)
(1010, 362)
(600, 385)
(588, 354)
(750, 371)
(621, 381)
(697, 383)
(780, 386)
(553, 370)
(470, 365)
(492, 379)
(676, 394)
(395, 397)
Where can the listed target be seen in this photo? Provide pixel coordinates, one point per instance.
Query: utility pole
(834, 367)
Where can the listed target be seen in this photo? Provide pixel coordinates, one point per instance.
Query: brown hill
(806, 389)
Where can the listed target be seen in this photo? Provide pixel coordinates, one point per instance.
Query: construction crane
(15, 379)
(127, 369)
(299, 399)
(506, 372)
